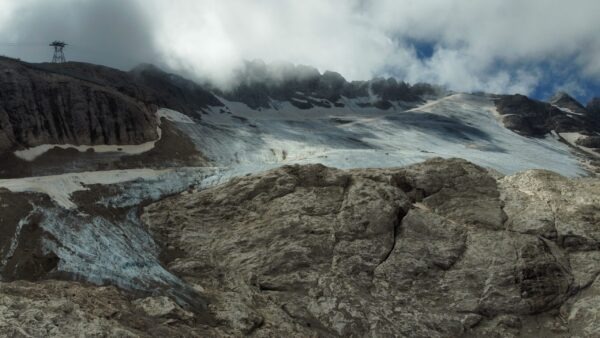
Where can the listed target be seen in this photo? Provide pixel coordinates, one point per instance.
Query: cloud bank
(494, 45)
(111, 32)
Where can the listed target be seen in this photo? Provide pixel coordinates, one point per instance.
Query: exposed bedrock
(39, 107)
(443, 248)
(305, 88)
(84, 104)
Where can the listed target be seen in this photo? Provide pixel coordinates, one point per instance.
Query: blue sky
(558, 75)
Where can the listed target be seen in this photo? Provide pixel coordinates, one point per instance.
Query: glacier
(239, 140)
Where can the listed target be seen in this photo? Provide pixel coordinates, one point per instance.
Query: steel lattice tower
(59, 55)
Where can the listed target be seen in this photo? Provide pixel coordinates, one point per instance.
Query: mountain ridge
(303, 206)
(302, 86)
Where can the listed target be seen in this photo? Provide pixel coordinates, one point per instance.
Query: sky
(532, 47)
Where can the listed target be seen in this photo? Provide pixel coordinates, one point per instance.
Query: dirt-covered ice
(459, 125)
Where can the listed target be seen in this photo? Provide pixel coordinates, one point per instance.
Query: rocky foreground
(439, 249)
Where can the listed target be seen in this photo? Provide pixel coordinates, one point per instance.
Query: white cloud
(481, 45)
(478, 45)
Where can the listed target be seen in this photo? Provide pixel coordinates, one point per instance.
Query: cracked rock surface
(439, 249)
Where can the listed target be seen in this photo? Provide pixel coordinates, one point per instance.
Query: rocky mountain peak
(537, 118)
(442, 248)
(564, 100)
(85, 104)
(234, 221)
(561, 95)
(259, 84)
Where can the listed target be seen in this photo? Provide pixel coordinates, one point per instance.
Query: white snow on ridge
(14, 241)
(572, 139)
(32, 153)
(60, 187)
(460, 125)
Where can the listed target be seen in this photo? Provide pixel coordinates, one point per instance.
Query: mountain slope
(439, 249)
(289, 114)
(178, 212)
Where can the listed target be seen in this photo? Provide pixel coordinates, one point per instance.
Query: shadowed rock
(79, 103)
(535, 118)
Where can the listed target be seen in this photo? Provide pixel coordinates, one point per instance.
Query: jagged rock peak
(564, 100)
(257, 84)
(536, 118)
(561, 96)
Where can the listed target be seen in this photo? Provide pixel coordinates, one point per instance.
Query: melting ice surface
(241, 140)
(459, 125)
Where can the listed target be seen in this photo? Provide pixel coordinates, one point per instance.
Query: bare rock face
(589, 142)
(564, 100)
(439, 249)
(41, 107)
(593, 108)
(535, 118)
(545, 203)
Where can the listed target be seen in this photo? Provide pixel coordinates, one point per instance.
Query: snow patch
(31, 154)
(572, 139)
(299, 100)
(60, 187)
(174, 116)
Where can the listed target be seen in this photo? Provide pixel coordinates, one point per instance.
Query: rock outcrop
(304, 87)
(84, 104)
(40, 107)
(536, 118)
(439, 249)
(593, 107)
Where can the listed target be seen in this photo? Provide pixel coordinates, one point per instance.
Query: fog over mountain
(532, 47)
(287, 168)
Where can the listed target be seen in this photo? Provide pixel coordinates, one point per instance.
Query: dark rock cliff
(79, 103)
(536, 118)
(39, 107)
(305, 88)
